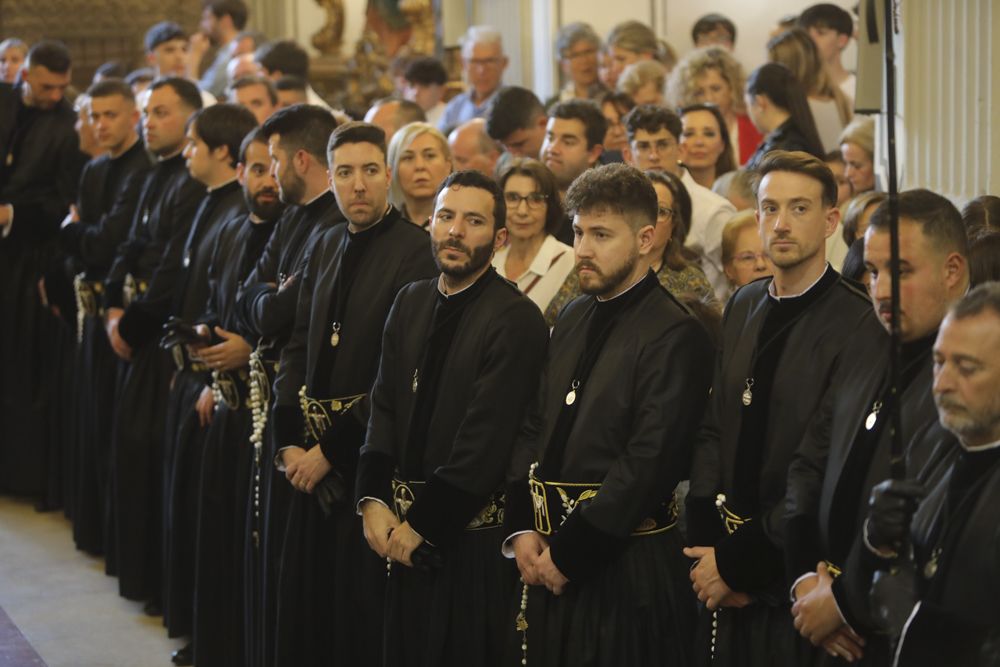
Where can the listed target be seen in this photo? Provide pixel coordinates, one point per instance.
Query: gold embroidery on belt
(318, 413)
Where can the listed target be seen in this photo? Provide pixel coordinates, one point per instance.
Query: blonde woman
(830, 108)
(857, 147)
(713, 76)
(420, 161)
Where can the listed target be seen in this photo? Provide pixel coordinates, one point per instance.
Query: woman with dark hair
(981, 214)
(678, 272)
(777, 105)
(984, 258)
(705, 147)
(614, 107)
(533, 258)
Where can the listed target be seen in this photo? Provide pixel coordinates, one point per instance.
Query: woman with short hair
(420, 161)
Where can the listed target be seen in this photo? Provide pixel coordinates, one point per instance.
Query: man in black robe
(224, 454)
(167, 203)
(846, 450)
(782, 339)
(40, 164)
(214, 135)
(297, 139)
(461, 358)
(91, 233)
(590, 514)
(955, 536)
(330, 585)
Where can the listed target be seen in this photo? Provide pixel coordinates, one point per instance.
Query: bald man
(472, 148)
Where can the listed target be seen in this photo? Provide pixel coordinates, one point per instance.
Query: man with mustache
(90, 235)
(954, 532)
(461, 357)
(224, 458)
(296, 138)
(330, 584)
(782, 338)
(590, 511)
(846, 450)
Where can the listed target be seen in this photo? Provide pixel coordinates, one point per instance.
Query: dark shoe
(183, 656)
(152, 608)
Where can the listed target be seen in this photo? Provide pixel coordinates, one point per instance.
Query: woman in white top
(533, 258)
(830, 108)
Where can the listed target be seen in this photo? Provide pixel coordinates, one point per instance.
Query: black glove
(890, 510)
(426, 558)
(331, 491)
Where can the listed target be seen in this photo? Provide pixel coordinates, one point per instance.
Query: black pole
(898, 469)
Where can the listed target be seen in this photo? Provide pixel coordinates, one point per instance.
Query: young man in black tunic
(225, 457)
(297, 139)
(590, 514)
(167, 203)
(40, 164)
(214, 135)
(90, 235)
(461, 358)
(330, 584)
(953, 618)
(846, 451)
(782, 339)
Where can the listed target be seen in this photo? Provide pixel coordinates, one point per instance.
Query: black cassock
(474, 360)
(183, 436)
(841, 459)
(778, 357)
(109, 192)
(40, 164)
(330, 584)
(162, 219)
(267, 314)
(225, 462)
(623, 391)
(956, 544)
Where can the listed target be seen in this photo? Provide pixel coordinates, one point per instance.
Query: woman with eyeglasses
(743, 257)
(533, 258)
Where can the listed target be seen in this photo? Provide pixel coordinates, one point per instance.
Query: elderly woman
(705, 147)
(578, 48)
(13, 53)
(713, 76)
(857, 146)
(420, 161)
(676, 270)
(743, 257)
(533, 258)
(644, 82)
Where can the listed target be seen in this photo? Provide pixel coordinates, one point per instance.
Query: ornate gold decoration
(330, 37)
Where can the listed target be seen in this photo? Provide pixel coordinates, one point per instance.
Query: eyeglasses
(663, 213)
(749, 257)
(533, 199)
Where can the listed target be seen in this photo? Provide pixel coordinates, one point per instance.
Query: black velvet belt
(554, 501)
(405, 493)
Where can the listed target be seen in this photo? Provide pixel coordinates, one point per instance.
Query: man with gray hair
(472, 148)
(577, 47)
(483, 63)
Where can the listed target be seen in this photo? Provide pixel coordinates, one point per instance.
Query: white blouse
(545, 275)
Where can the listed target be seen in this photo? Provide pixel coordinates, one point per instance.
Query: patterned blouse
(690, 280)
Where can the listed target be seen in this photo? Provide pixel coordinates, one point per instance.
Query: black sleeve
(97, 244)
(508, 374)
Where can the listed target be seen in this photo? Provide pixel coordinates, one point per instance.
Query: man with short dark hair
(221, 23)
(831, 28)
(330, 584)
(152, 253)
(472, 148)
(590, 512)
(461, 357)
(847, 450)
(654, 143)
(291, 90)
(287, 58)
(483, 64)
(804, 317)
(713, 30)
(167, 53)
(516, 119)
(425, 79)
(391, 114)
(297, 139)
(950, 612)
(90, 235)
(39, 176)
(256, 93)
